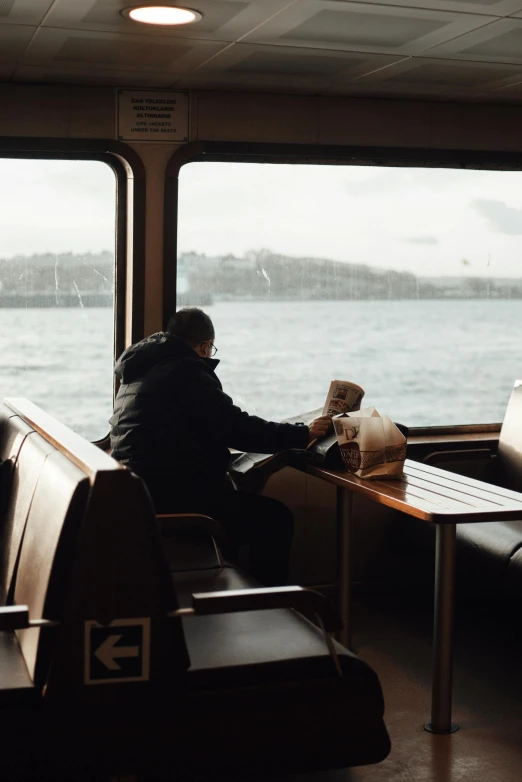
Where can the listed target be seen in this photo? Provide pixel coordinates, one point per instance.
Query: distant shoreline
(53, 301)
(88, 301)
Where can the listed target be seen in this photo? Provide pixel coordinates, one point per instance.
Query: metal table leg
(344, 517)
(443, 631)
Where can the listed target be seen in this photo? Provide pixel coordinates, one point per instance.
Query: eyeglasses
(213, 348)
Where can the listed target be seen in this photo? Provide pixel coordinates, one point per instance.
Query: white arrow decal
(108, 650)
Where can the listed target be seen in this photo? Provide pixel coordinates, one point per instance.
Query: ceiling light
(162, 14)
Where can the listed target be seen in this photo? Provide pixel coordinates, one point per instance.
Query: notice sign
(118, 652)
(153, 116)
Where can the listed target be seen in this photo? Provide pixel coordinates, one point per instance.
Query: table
(441, 498)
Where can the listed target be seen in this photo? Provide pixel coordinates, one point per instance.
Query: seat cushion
(192, 550)
(484, 551)
(16, 686)
(251, 647)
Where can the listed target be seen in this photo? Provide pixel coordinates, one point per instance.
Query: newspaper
(343, 396)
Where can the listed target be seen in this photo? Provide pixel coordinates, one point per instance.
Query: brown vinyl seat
(90, 565)
(489, 556)
(509, 453)
(47, 555)
(489, 550)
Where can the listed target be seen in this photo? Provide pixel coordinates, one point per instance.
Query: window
(57, 228)
(406, 280)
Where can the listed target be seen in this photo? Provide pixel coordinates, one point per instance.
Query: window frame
(246, 152)
(129, 254)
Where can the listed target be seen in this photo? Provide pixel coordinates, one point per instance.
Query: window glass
(57, 229)
(407, 281)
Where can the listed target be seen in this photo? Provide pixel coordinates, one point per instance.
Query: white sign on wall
(153, 116)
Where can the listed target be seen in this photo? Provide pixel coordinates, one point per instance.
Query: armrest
(458, 456)
(17, 618)
(266, 598)
(14, 617)
(263, 599)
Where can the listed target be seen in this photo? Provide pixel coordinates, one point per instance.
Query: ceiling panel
(227, 83)
(6, 6)
(117, 52)
(225, 20)
(488, 7)
(23, 11)
(425, 77)
(13, 41)
(513, 93)
(435, 49)
(447, 74)
(499, 42)
(356, 90)
(90, 76)
(329, 24)
(283, 68)
(6, 71)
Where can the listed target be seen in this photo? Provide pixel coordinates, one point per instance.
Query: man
(173, 425)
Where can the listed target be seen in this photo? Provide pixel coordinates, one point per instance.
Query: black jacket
(172, 421)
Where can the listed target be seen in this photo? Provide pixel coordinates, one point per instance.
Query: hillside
(70, 279)
(262, 274)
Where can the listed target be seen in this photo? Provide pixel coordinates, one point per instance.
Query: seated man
(173, 426)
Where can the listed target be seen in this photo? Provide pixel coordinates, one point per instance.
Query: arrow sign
(108, 651)
(117, 652)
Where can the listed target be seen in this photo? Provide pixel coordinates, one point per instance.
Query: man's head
(194, 327)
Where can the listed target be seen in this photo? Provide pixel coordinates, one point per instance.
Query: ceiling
(436, 49)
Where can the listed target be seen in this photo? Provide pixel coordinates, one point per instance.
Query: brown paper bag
(371, 445)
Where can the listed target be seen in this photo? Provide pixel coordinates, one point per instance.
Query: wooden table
(441, 498)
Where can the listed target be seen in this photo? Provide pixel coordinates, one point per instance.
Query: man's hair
(191, 325)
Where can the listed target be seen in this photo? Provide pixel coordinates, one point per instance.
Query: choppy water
(422, 362)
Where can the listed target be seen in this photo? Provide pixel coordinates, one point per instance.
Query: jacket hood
(138, 359)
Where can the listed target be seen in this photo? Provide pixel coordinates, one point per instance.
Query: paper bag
(371, 445)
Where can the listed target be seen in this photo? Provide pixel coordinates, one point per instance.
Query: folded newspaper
(252, 470)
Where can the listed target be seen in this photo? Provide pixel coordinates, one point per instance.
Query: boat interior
(130, 649)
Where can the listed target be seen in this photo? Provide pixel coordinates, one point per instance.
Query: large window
(406, 280)
(57, 244)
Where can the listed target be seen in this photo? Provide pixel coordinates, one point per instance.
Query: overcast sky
(428, 221)
(56, 206)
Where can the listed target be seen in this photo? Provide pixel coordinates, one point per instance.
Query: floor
(393, 634)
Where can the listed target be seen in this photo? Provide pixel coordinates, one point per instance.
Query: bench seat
(255, 646)
(489, 554)
(251, 691)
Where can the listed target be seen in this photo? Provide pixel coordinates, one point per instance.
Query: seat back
(91, 559)
(509, 453)
(24, 453)
(121, 580)
(47, 553)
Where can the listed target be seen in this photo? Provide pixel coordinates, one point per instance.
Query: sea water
(424, 363)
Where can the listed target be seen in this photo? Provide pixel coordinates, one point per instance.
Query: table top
(432, 494)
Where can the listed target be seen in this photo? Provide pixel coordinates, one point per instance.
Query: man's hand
(320, 427)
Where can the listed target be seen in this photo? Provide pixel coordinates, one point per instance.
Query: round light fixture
(162, 14)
